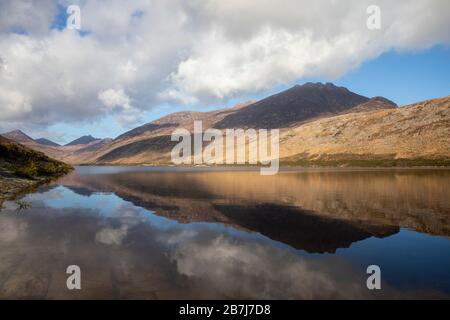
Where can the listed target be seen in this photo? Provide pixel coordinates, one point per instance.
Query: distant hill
(77, 149)
(18, 136)
(21, 137)
(47, 142)
(82, 140)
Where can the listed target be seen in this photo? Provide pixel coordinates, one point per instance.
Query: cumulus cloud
(115, 98)
(118, 99)
(132, 56)
(27, 16)
(253, 45)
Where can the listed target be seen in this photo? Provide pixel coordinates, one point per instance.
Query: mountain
(297, 104)
(47, 142)
(71, 153)
(373, 133)
(18, 136)
(320, 124)
(82, 140)
(151, 143)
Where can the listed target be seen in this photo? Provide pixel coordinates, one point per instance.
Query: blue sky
(137, 60)
(403, 77)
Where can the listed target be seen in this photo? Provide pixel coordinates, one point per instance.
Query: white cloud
(114, 98)
(253, 45)
(188, 52)
(14, 104)
(31, 16)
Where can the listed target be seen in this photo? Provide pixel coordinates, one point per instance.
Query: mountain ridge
(316, 121)
(18, 136)
(47, 142)
(82, 140)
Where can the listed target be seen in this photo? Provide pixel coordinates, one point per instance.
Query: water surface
(160, 233)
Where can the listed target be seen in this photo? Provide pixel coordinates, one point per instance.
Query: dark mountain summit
(18, 136)
(82, 140)
(297, 104)
(47, 142)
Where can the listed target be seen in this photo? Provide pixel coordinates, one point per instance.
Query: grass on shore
(384, 163)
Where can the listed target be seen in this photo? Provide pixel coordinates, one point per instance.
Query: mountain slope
(300, 103)
(151, 143)
(77, 149)
(319, 124)
(47, 142)
(27, 162)
(374, 130)
(18, 136)
(417, 131)
(376, 103)
(22, 167)
(82, 140)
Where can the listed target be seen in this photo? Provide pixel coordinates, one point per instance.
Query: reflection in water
(297, 235)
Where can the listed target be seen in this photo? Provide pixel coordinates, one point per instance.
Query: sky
(132, 62)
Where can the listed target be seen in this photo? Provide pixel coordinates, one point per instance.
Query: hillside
(418, 133)
(47, 142)
(320, 124)
(371, 134)
(70, 153)
(21, 167)
(151, 143)
(82, 141)
(297, 104)
(19, 137)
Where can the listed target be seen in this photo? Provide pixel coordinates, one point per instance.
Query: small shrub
(29, 170)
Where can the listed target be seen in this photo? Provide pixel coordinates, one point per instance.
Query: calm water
(152, 233)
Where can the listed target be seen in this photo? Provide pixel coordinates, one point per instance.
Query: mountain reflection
(124, 257)
(139, 235)
(313, 211)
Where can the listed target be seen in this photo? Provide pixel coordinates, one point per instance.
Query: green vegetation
(27, 163)
(417, 162)
(22, 170)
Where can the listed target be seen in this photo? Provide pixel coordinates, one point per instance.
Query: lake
(180, 233)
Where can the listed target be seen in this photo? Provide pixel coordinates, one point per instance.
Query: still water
(165, 233)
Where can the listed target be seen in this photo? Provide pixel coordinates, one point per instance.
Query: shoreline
(282, 166)
(12, 187)
(104, 169)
